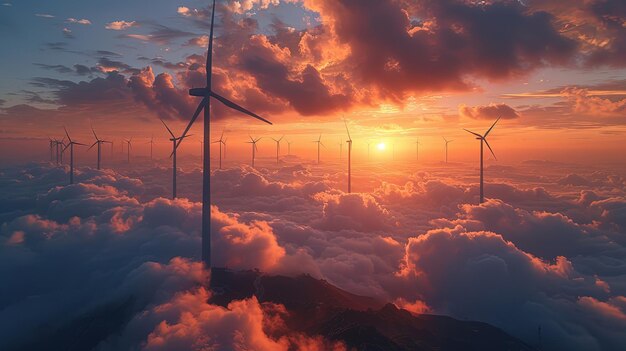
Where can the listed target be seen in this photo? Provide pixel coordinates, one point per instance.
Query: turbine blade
(493, 125)
(346, 123)
(222, 136)
(469, 131)
(80, 144)
(92, 145)
(94, 133)
(234, 106)
(193, 118)
(494, 155)
(168, 128)
(68, 135)
(209, 55)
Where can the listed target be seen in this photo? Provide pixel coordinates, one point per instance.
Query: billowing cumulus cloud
(419, 245)
(491, 112)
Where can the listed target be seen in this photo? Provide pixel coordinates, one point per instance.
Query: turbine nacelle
(199, 92)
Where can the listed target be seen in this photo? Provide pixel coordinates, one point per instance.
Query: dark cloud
(98, 90)
(160, 34)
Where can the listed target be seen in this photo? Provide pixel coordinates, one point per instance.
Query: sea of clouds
(548, 249)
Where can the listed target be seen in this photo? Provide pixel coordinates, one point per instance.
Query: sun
(381, 146)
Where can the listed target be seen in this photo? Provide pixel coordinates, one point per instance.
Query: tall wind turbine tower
(349, 141)
(98, 142)
(254, 148)
(319, 143)
(173, 139)
(278, 147)
(220, 141)
(483, 139)
(206, 93)
(447, 142)
(289, 147)
(71, 144)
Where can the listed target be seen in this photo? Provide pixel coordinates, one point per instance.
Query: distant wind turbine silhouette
(206, 93)
(349, 141)
(128, 146)
(173, 139)
(254, 148)
(224, 144)
(51, 144)
(57, 145)
(62, 148)
(319, 143)
(151, 142)
(447, 142)
(71, 144)
(278, 147)
(98, 142)
(417, 149)
(221, 141)
(288, 147)
(483, 139)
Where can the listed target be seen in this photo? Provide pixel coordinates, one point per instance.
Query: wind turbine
(447, 142)
(151, 142)
(319, 143)
(129, 145)
(51, 143)
(173, 139)
(278, 147)
(483, 139)
(98, 142)
(62, 147)
(221, 141)
(206, 93)
(417, 149)
(224, 144)
(349, 141)
(254, 148)
(71, 144)
(55, 143)
(289, 147)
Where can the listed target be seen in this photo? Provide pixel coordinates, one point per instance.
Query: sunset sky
(396, 70)
(540, 262)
